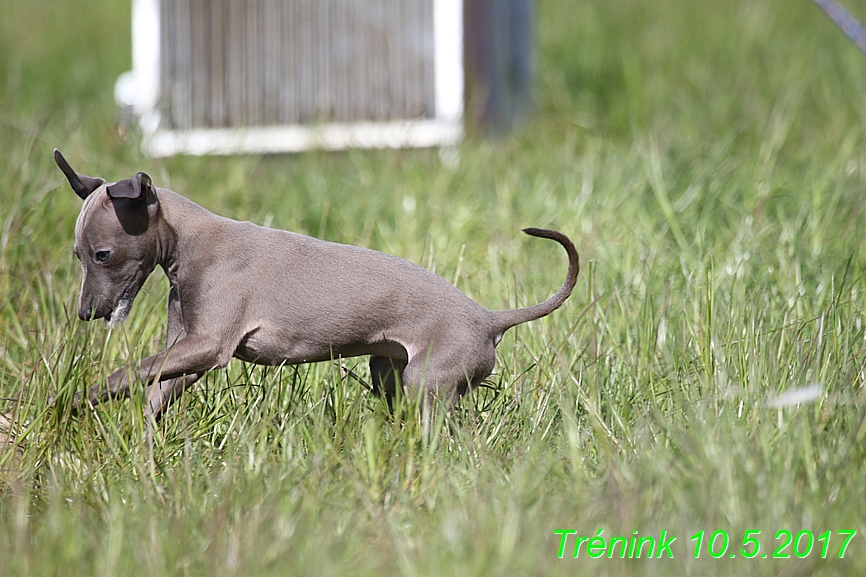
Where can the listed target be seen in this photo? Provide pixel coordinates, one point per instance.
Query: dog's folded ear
(136, 188)
(82, 185)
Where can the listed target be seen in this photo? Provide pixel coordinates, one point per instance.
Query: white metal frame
(138, 90)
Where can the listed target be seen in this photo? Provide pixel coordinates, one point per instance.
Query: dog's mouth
(119, 313)
(121, 310)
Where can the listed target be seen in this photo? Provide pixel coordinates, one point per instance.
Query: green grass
(709, 161)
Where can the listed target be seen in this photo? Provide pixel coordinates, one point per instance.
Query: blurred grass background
(708, 160)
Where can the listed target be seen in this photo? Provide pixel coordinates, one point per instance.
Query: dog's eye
(102, 255)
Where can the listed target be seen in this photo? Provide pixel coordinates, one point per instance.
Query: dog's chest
(256, 347)
(265, 347)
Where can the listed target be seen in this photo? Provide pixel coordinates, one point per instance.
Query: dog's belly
(257, 348)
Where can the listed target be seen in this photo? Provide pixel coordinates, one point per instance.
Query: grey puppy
(273, 297)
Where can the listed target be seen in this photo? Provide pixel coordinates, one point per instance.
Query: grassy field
(709, 161)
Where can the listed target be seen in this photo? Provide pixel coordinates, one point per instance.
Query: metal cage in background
(234, 76)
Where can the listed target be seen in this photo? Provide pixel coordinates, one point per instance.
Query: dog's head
(115, 241)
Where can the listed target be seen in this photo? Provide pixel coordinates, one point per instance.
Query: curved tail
(504, 320)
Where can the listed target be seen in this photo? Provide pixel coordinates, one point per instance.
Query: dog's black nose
(85, 313)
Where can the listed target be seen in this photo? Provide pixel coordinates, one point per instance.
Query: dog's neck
(180, 221)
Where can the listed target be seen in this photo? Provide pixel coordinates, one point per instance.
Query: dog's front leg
(162, 393)
(191, 355)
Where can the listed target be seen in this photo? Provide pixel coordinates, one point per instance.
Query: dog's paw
(76, 402)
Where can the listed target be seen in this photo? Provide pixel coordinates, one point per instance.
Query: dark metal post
(498, 41)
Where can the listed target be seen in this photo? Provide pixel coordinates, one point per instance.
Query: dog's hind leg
(386, 375)
(441, 377)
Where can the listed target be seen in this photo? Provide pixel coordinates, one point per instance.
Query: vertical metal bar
(216, 116)
(235, 63)
(305, 27)
(289, 86)
(200, 69)
(182, 91)
(253, 96)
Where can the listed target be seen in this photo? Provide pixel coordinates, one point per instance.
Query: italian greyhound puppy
(274, 297)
